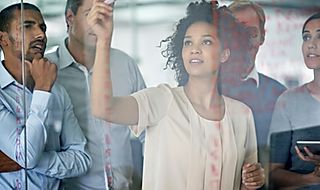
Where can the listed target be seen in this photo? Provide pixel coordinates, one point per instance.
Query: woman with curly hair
(196, 138)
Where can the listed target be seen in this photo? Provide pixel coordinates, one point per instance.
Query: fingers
(43, 67)
(253, 175)
(309, 153)
(309, 157)
(316, 171)
(42, 61)
(28, 64)
(300, 154)
(44, 74)
(254, 185)
(251, 167)
(109, 1)
(101, 10)
(100, 19)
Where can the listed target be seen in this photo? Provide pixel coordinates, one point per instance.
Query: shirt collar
(65, 58)
(253, 75)
(5, 77)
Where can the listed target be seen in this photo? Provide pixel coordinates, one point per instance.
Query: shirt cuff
(141, 125)
(40, 98)
(40, 104)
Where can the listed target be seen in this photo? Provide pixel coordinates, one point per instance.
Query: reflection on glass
(139, 26)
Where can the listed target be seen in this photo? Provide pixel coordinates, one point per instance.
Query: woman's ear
(225, 54)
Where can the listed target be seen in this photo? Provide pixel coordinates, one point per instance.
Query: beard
(29, 55)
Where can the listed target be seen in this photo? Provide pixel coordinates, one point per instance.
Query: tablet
(313, 146)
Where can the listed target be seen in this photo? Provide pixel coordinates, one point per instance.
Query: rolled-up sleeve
(153, 104)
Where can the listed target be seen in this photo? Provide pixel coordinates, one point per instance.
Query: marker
(108, 1)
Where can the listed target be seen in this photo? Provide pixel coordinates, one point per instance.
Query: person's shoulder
(293, 98)
(293, 93)
(160, 95)
(238, 111)
(236, 105)
(52, 54)
(120, 59)
(162, 91)
(119, 54)
(165, 88)
(270, 81)
(52, 50)
(59, 91)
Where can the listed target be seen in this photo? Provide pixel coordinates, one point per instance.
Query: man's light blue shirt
(76, 79)
(55, 142)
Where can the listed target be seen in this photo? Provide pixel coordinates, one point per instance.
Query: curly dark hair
(232, 34)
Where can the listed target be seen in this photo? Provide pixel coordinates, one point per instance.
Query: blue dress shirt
(55, 142)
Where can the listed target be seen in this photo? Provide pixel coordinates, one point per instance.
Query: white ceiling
(148, 12)
(146, 8)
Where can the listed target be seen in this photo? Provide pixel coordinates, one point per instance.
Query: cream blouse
(184, 151)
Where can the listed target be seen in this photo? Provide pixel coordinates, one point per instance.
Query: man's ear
(69, 18)
(225, 54)
(3, 39)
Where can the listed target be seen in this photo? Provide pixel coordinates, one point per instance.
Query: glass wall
(111, 154)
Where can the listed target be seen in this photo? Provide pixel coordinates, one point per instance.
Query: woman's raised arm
(122, 110)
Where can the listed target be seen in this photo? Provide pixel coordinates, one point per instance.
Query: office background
(140, 25)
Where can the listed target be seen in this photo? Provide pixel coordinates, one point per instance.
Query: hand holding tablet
(309, 151)
(313, 146)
